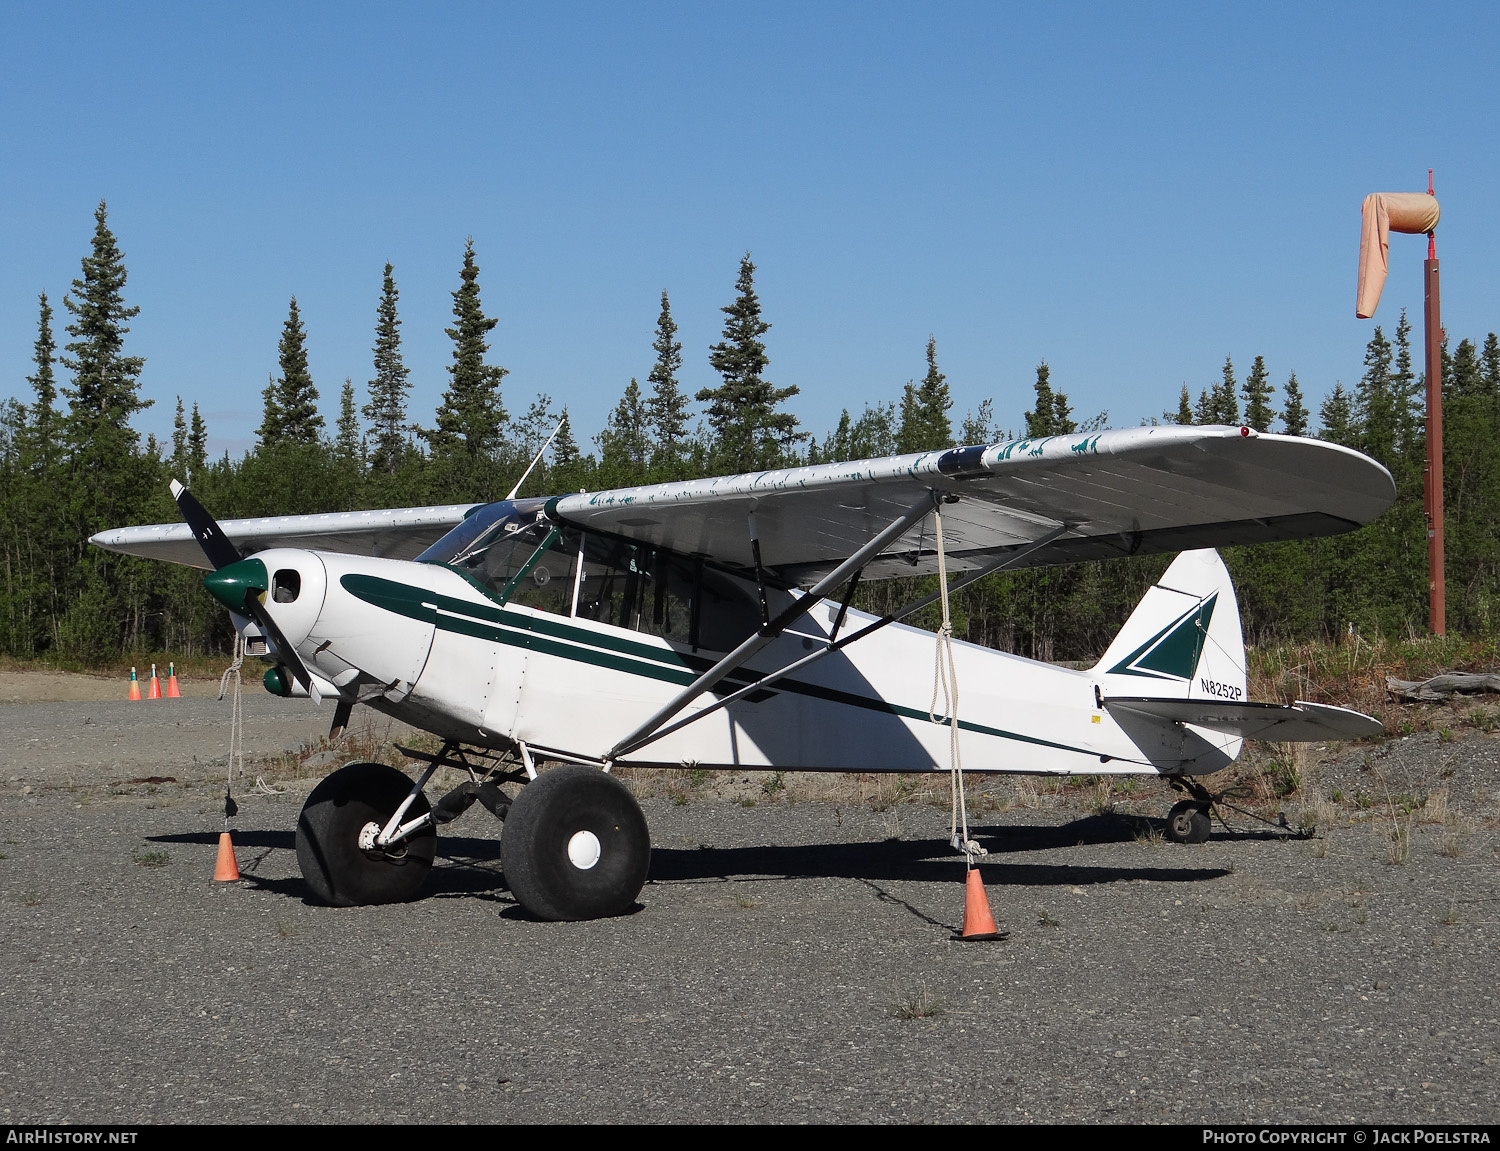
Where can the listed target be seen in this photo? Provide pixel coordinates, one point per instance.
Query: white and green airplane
(709, 623)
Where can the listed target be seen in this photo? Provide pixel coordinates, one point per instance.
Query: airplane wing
(1114, 493)
(395, 533)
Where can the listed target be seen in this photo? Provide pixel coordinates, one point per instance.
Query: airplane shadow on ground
(470, 866)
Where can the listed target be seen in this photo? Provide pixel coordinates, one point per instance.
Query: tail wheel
(1188, 822)
(335, 836)
(575, 846)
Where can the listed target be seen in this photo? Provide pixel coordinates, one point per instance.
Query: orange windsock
(1383, 213)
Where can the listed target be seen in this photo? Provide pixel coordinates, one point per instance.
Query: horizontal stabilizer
(1299, 722)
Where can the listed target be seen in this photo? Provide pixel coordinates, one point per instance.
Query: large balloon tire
(575, 846)
(336, 868)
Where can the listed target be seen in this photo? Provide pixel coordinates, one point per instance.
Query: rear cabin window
(613, 581)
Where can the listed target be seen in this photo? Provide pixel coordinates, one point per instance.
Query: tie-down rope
(945, 682)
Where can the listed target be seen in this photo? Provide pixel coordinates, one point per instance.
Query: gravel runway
(789, 962)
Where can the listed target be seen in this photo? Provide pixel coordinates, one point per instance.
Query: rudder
(1183, 640)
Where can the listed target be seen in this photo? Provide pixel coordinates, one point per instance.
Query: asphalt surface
(787, 963)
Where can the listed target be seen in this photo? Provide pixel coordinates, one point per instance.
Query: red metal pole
(1436, 611)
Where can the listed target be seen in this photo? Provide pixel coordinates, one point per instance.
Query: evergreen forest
(71, 464)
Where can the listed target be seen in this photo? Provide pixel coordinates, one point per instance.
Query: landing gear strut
(1190, 821)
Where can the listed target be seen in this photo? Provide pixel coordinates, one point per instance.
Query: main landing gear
(575, 844)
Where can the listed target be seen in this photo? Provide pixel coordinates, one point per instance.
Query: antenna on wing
(537, 458)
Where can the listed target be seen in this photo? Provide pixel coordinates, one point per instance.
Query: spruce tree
(104, 394)
(1257, 391)
(386, 410)
(471, 419)
(1294, 414)
(666, 407)
(348, 444)
(1052, 415)
(749, 431)
(1205, 410)
(44, 418)
(1376, 409)
(624, 444)
(1337, 414)
(1184, 414)
(197, 444)
(291, 400)
(106, 471)
(1406, 392)
(1226, 400)
(1039, 420)
(1463, 375)
(924, 425)
(1490, 358)
(179, 442)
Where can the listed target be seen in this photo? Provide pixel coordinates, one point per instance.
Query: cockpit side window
(523, 559)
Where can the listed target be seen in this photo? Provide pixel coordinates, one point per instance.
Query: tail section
(1183, 641)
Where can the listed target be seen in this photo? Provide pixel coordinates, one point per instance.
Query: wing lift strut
(659, 725)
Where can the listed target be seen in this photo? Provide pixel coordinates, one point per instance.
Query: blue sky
(1128, 192)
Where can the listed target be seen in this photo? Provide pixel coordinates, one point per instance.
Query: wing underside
(1134, 491)
(397, 533)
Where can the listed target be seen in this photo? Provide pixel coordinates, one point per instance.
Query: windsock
(1383, 213)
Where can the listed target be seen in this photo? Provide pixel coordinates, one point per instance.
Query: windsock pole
(1436, 607)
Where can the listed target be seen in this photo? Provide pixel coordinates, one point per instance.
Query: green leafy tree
(291, 400)
(386, 410)
(749, 430)
(979, 425)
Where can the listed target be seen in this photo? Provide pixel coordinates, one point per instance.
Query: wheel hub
(584, 850)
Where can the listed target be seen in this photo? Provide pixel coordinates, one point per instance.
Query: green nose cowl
(233, 582)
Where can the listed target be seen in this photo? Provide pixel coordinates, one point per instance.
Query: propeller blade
(240, 586)
(211, 538)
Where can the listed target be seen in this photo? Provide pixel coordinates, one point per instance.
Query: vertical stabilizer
(1183, 640)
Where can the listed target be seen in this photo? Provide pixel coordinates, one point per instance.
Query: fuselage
(523, 633)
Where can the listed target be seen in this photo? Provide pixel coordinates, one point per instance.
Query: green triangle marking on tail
(1173, 652)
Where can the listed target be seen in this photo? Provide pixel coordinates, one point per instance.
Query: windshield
(482, 528)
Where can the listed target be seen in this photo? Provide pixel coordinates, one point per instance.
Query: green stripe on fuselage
(541, 634)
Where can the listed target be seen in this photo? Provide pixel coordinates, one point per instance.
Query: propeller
(237, 582)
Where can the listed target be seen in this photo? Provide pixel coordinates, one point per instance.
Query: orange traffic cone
(978, 922)
(135, 687)
(172, 692)
(226, 869)
(155, 692)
